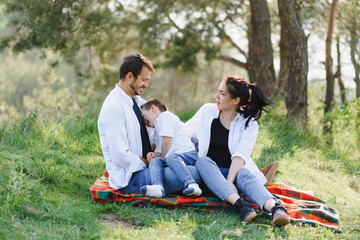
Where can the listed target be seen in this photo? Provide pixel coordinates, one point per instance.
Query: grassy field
(48, 165)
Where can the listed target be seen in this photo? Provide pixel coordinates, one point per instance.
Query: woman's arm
(247, 142)
(237, 164)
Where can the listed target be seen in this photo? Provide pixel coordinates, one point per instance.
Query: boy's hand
(149, 156)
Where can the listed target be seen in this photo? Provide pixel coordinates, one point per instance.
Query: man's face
(141, 82)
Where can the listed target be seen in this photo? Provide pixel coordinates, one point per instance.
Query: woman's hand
(237, 164)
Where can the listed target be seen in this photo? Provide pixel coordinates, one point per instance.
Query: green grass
(48, 165)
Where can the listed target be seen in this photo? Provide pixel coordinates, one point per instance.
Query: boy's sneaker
(244, 209)
(192, 189)
(153, 191)
(279, 215)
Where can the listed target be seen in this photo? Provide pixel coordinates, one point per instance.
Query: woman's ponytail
(257, 102)
(252, 100)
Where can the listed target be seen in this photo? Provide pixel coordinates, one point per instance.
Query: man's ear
(129, 75)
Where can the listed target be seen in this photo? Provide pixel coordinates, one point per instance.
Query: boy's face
(149, 116)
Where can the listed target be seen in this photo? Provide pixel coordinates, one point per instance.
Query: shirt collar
(124, 96)
(238, 117)
(217, 112)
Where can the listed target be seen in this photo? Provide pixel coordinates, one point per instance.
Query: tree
(186, 28)
(261, 67)
(351, 25)
(172, 33)
(330, 77)
(329, 98)
(67, 26)
(338, 74)
(294, 59)
(175, 30)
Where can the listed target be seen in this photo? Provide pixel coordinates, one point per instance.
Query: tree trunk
(294, 59)
(260, 62)
(338, 71)
(329, 98)
(284, 63)
(353, 42)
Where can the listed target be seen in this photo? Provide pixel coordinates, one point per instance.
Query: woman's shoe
(244, 209)
(279, 215)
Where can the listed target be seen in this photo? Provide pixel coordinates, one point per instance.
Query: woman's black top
(218, 149)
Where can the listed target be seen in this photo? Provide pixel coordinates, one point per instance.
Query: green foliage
(48, 164)
(182, 29)
(175, 31)
(79, 30)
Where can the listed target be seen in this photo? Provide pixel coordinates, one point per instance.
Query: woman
(227, 133)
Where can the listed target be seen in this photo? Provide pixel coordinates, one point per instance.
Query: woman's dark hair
(252, 100)
(154, 101)
(134, 63)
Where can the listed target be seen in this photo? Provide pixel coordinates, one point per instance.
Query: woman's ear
(236, 101)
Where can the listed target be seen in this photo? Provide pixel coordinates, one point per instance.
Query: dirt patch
(110, 219)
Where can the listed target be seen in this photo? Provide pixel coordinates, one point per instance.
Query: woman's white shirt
(241, 141)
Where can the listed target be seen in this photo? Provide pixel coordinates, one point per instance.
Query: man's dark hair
(134, 63)
(154, 101)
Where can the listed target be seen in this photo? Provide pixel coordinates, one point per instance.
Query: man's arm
(116, 136)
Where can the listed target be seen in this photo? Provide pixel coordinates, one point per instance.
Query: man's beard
(133, 88)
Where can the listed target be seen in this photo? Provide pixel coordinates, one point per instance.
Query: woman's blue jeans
(176, 162)
(246, 182)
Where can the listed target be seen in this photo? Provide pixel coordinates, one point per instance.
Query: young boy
(173, 148)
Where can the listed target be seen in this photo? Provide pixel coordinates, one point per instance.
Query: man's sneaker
(244, 209)
(279, 215)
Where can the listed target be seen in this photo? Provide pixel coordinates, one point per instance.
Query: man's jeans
(171, 182)
(177, 163)
(246, 182)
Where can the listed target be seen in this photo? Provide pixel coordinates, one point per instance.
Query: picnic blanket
(302, 206)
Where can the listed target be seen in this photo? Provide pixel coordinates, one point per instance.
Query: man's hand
(149, 156)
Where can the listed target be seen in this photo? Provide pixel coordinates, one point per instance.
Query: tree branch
(174, 24)
(227, 37)
(233, 61)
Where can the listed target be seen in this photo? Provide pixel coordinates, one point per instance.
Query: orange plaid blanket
(301, 205)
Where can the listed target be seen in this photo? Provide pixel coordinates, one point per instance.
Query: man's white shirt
(120, 137)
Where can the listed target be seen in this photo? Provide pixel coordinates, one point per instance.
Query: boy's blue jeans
(177, 163)
(171, 181)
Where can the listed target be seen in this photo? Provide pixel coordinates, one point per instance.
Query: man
(123, 135)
